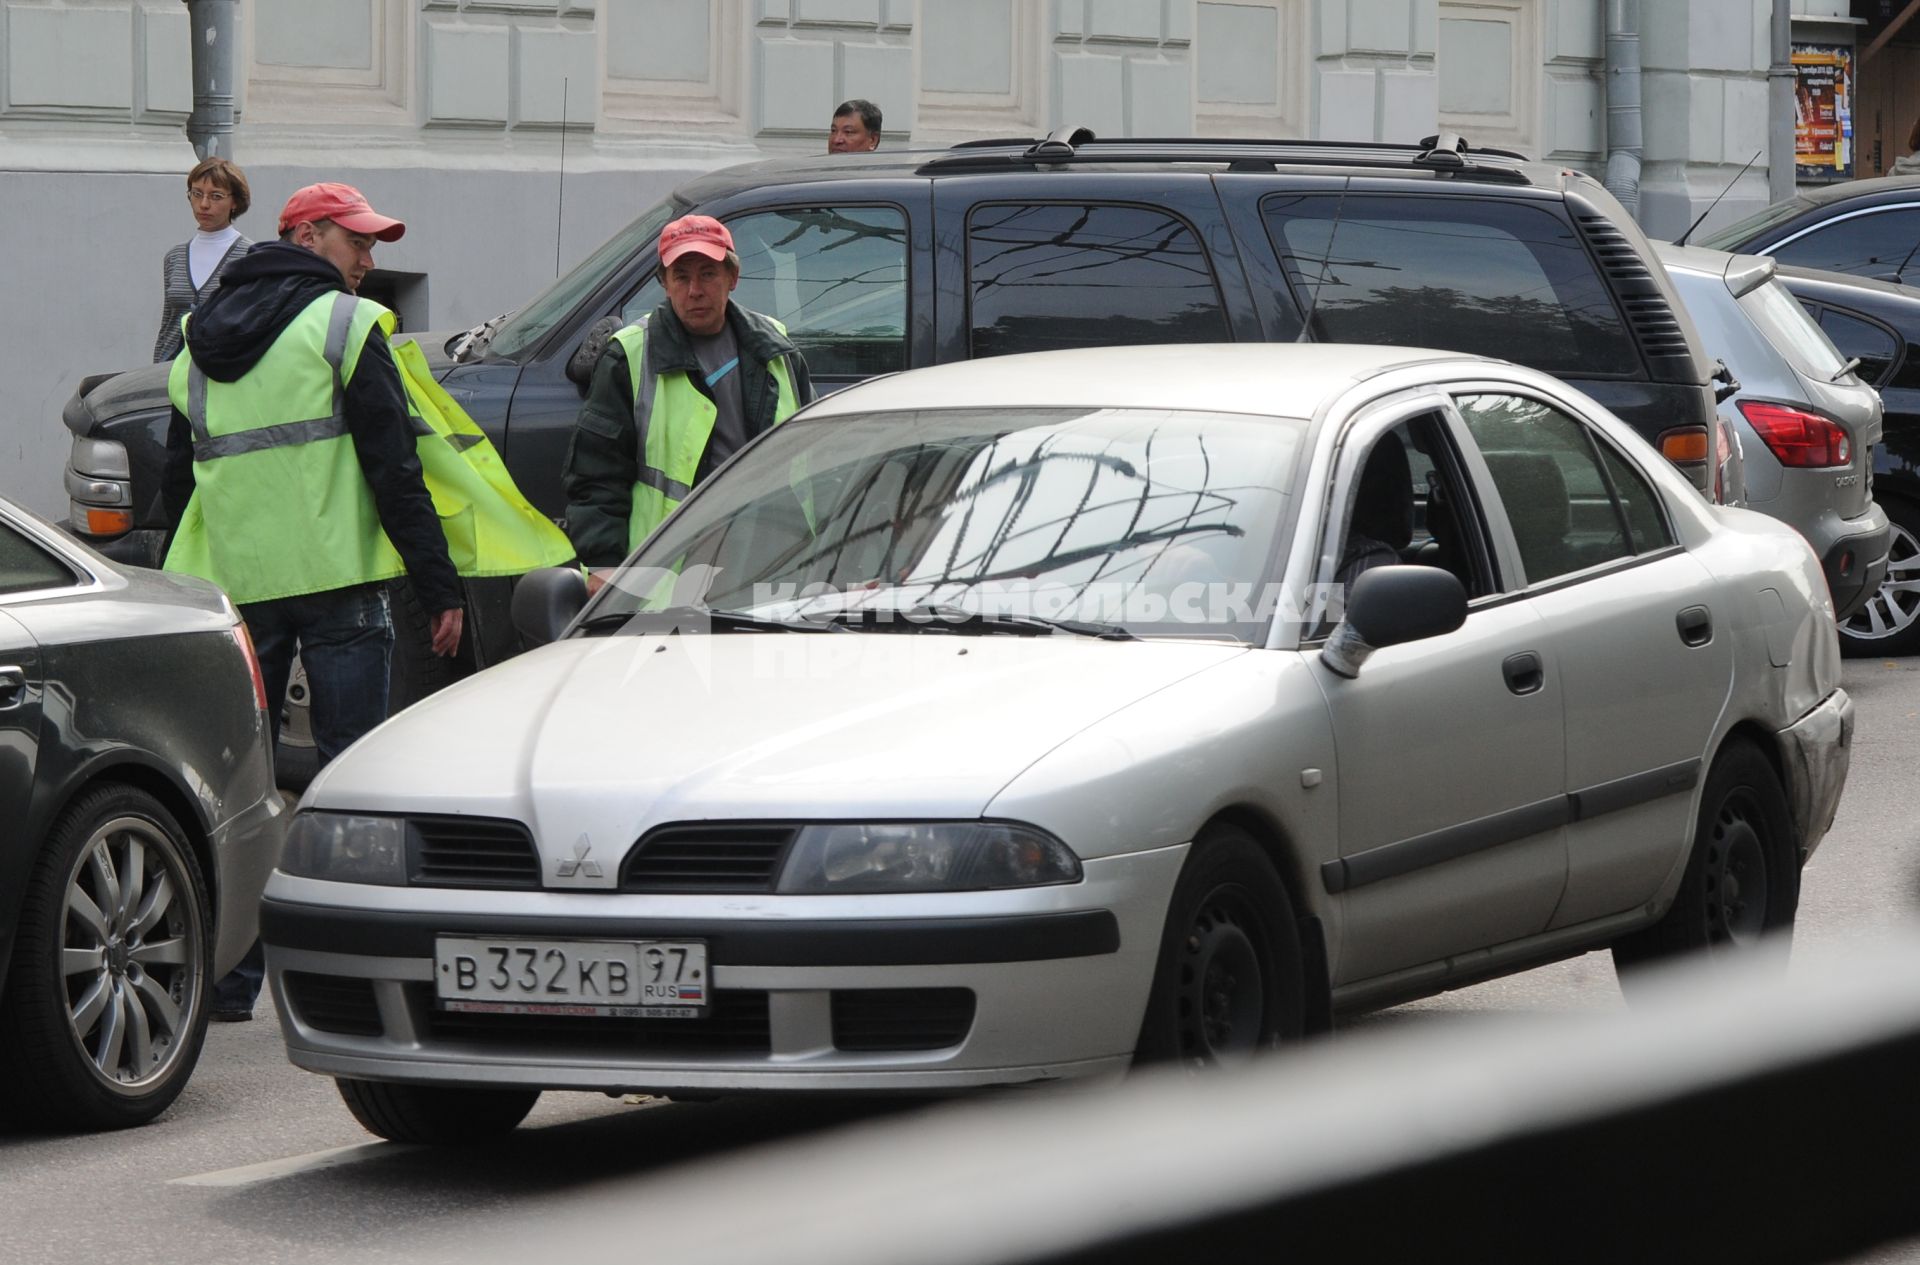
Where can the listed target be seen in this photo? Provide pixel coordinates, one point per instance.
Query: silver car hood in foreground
(606, 737)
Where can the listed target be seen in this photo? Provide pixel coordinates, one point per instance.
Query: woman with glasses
(217, 192)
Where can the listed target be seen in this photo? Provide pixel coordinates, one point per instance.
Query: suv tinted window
(836, 277)
(1044, 277)
(1875, 245)
(1457, 274)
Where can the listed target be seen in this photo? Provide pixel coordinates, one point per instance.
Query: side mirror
(1390, 605)
(545, 602)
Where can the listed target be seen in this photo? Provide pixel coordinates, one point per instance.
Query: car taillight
(1797, 437)
(242, 639)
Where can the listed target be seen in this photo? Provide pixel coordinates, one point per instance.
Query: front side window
(25, 567)
(1571, 501)
(1164, 523)
(1880, 244)
(1456, 274)
(1046, 277)
(836, 277)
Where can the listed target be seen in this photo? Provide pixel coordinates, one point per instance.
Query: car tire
(1741, 887)
(109, 1044)
(1229, 981)
(413, 672)
(1889, 623)
(435, 1115)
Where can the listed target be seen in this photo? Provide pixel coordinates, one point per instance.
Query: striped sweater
(179, 297)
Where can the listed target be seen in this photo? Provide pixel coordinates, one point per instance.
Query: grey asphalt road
(259, 1163)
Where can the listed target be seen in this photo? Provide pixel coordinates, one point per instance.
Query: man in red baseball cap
(293, 480)
(674, 395)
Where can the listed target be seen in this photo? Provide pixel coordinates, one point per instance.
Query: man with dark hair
(855, 129)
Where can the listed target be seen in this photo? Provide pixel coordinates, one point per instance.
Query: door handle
(1695, 624)
(13, 686)
(1524, 672)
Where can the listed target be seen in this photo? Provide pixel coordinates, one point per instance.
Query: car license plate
(639, 979)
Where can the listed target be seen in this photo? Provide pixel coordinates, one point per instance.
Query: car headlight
(347, 848)
(924, 857)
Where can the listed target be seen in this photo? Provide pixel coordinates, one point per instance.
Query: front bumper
(836, 994)
(1815, 752)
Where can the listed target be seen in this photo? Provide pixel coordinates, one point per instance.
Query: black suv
(900, 259)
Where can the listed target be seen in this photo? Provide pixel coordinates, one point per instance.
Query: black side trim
(868, 942)
(1390, 860)
(1639, 788)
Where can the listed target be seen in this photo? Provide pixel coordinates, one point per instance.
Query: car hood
(605, 737)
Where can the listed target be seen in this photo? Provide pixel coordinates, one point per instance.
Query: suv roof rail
(1444, 154)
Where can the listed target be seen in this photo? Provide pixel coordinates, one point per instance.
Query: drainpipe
(1780, 133)
(1623, 103)
(216, 58)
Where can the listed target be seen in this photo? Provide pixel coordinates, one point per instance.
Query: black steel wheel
(436, 1115)
(105, 1006)
(1229, 980)
(1889, 623)
(1741, 886)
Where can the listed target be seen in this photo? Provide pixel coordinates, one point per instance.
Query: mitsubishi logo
(578, 863)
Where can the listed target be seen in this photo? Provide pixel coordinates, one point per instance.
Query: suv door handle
(1695, 624)
(13, 686)
(1524, 672)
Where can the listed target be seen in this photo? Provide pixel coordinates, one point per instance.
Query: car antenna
(1326, 265)
(1682, 241)
(560, 206)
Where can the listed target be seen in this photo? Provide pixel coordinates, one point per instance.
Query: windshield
(1731, 237)
(526, 327)
(1155, 523)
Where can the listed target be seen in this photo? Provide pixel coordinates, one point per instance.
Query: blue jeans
(345, 639)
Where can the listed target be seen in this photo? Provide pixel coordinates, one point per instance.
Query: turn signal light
(1686, 444)
(1797, 437)
(108, 522)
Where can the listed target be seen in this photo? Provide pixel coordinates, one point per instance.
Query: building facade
(516, 135)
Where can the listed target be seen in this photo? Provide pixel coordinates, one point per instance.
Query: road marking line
(274, 1169)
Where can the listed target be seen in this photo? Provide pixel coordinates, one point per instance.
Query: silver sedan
(1023, 719)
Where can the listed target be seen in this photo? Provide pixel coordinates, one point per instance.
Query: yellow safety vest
(677, 423)
(280, 507)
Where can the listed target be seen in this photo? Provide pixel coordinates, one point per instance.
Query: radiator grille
(472, 852)
(722, 857)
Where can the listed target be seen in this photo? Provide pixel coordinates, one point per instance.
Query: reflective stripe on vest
(280, 506)
(674, 423)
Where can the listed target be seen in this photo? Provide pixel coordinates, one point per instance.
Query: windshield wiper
(953, 619)
(696, 619)
(474, 343)
(1845, 369)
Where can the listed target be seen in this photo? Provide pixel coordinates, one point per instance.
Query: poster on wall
(1823, 112)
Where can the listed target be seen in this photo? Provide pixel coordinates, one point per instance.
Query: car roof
(1269, 379)
(1852, 190)
(1078, 152)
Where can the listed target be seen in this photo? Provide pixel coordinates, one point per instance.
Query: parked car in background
(901, 259)
(1868, 228)
(1807, 424)
(1878, 324)
(1024, 719)
(142, 822)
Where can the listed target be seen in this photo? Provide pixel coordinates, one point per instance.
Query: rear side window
(1456, 274)
(26, 567)
(1875, 347)
(1572, 502)
(1046, 277)
(1880, 244)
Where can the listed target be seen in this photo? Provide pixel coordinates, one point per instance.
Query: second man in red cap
(675, 394)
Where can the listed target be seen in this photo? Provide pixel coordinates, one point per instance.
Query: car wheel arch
(126, 767)
(1295, 877)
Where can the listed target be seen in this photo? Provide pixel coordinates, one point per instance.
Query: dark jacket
(258, 298)
(603, 457)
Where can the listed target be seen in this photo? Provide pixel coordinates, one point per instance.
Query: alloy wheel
(1895, 606)
(130, 954)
